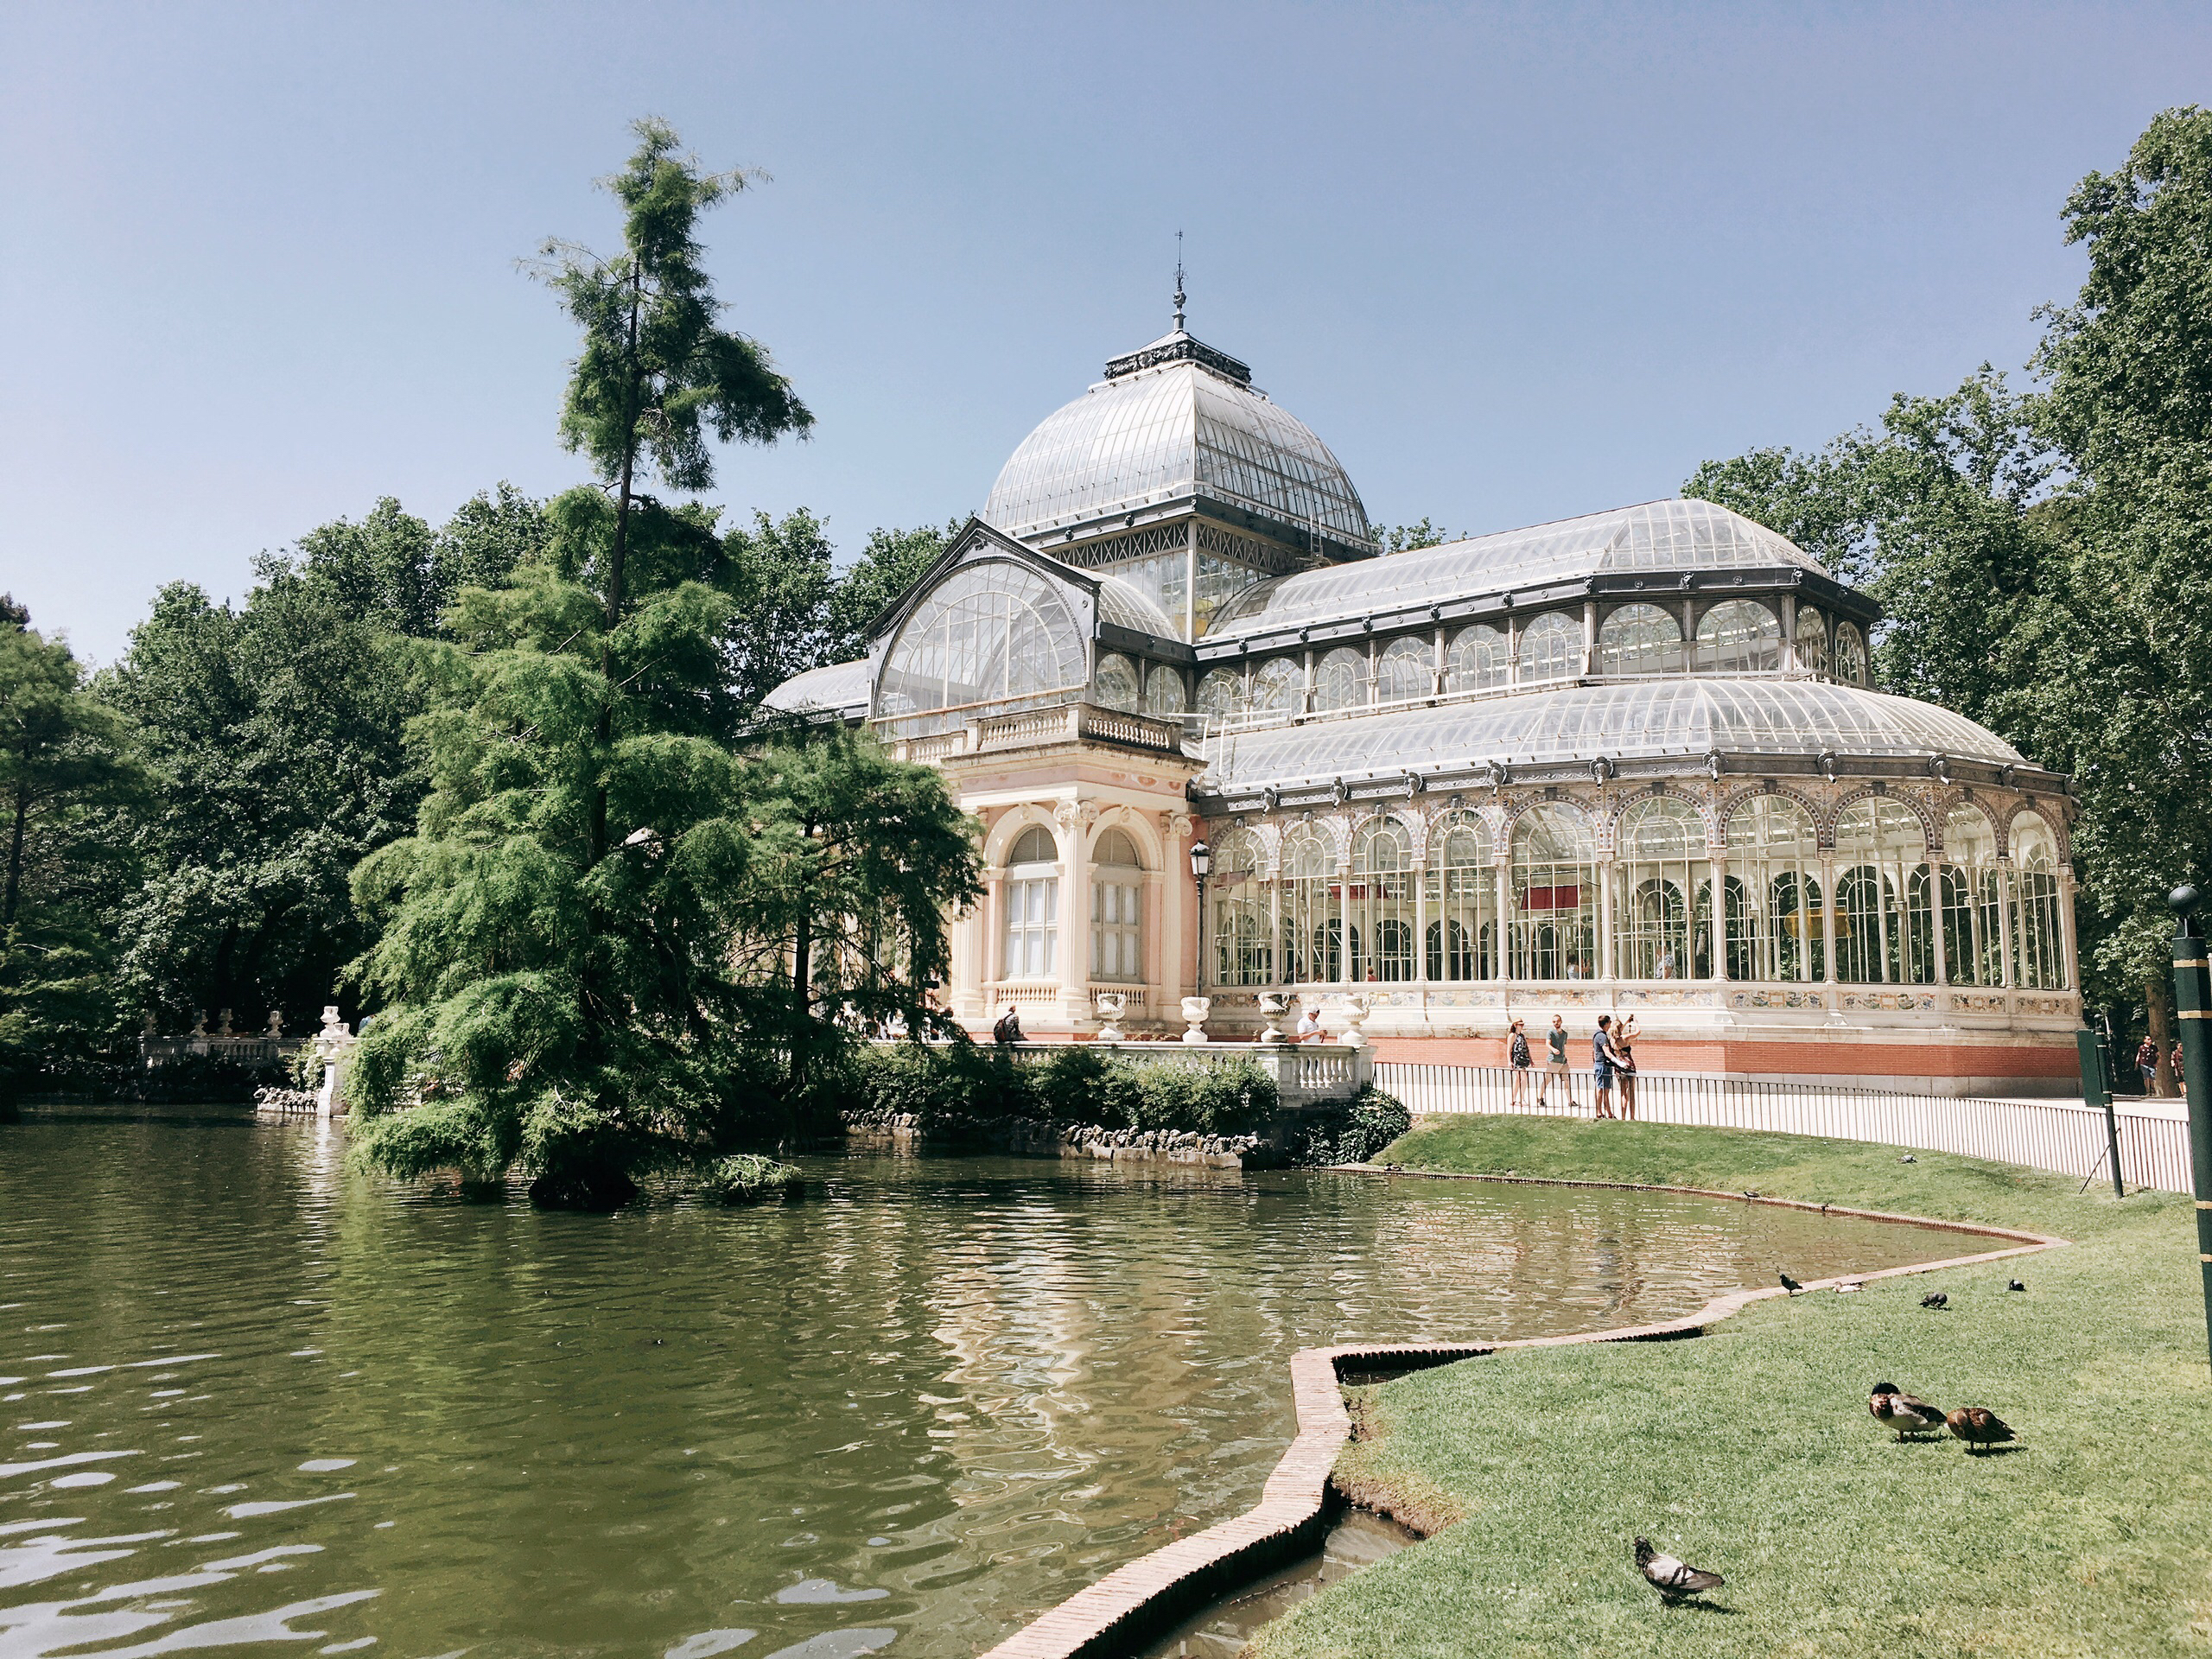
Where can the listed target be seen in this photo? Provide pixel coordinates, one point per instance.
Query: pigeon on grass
(1980, 1428)
(1936, 1299)
(1671, 1576)
(1908, 1414)
(1790, 1285)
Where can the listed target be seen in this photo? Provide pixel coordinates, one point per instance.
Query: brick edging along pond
(1140, 1600)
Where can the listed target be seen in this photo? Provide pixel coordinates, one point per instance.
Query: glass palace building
(1632, 762)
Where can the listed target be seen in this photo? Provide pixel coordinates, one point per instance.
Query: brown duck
(1978, 1426)
(1908, 1414)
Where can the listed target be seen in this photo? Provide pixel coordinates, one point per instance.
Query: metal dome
(1176, 423)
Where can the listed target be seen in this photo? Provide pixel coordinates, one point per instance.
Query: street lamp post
(2193, 1006)
(1201, 862)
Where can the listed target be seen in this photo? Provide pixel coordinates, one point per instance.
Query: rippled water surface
(250, 1399)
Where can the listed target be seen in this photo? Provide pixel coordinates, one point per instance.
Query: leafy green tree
(274, 735)
(1943, 515)
(857, 860)
(593, 1019)
(2128, 693)
(559, 955)
(892, 561)
(64, 756)
(1406, 538)
(568, 1009)
(2040, 558)
(783, 586)
(656, 376)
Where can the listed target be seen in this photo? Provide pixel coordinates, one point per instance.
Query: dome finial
(1179, 282)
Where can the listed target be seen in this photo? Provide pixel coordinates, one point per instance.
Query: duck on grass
(1750, 1451)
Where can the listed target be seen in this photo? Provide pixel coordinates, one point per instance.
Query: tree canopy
(2040, 555)
(64, 758)
(611, 927)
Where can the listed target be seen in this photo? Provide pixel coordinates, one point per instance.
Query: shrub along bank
(960, 1092)
(1750, 1450)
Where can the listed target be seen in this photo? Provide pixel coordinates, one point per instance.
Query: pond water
(251, 1399)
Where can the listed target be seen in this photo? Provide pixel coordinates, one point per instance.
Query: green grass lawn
(1749, 1450)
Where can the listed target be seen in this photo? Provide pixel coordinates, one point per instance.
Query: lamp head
(2182, 902)
(1201, 859)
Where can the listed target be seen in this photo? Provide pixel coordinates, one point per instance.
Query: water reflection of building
(1632, 761)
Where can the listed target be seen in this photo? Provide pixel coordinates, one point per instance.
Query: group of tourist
(2146, 1063)
(1612, 1065)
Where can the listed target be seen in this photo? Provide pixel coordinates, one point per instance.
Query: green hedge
(955, 1085)
(749, 1177)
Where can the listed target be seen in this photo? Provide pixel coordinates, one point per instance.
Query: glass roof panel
(1581, 723)
(1658, 535)
(842, 686)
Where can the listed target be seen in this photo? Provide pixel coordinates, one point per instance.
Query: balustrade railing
(2055, 1135)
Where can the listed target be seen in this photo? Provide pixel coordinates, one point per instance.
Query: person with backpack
(1601, 1066)
(1007, 1032)
(1517, 1057)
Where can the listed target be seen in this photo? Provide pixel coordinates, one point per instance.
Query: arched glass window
(1478, 660)
(1640, 639)
(1553, 931)
(1406, 670)
(1313, 932)
(1116, 909)
(1033, 905)
(1114, 685)
(1221, 696)
(1972, 889)
(1551, 648)
(2038, 924)
(1382, 901)
(1340, 681)
(1738, 636)
(1242, 951)
(1163, 692)
(1277, 686)
(1812, 641)
(1662, 893)
(993, 632)
(1462, 941)
(1778, 929)
(1850, 659)
(1884, 925)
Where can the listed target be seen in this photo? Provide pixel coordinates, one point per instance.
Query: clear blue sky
(1512, 263)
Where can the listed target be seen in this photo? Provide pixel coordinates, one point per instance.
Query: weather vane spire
(1179, 282)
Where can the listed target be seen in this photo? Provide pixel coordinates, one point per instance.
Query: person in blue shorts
(1601, 1066)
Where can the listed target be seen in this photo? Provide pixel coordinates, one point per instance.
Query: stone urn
(1274, 1008)
(1110, 1009)
(1195, 1010)
(1356, 1012)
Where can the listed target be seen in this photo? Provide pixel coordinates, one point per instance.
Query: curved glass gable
(992, 632)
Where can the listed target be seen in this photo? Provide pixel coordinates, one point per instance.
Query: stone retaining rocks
(1034, 1138)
